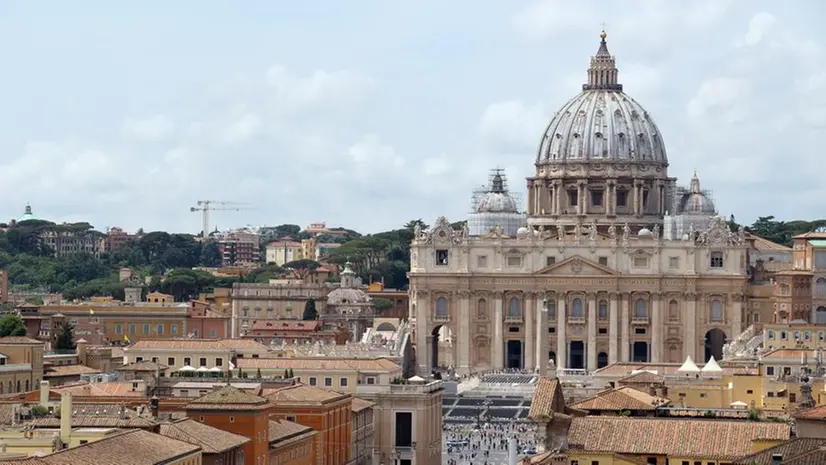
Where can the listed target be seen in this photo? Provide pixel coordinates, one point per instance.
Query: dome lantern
(602, 73)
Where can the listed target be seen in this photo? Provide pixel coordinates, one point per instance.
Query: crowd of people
(486, 443)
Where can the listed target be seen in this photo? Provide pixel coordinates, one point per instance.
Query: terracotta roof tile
(302, 393)
(767, 245)
(144, 365)
(790, 450)
(817, 413)
(643, 377)
(198, 344)
(287, 325)
(228, 398)
(546, 394)
(621, 398)
(377, 365)
(113, 389)
(92, 421)
(56, 371)
(210, 440)
(135, 447)
(19, 340)
(361, 404)
(707, 439)
(283, 430)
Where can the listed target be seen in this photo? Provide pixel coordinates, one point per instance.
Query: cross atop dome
(602, 73)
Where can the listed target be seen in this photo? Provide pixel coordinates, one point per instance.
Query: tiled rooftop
(360, 404)
(622, 398)
(706, 439)
(113, 389)
(210, 440)
(56, 371)
(283, 430)
(135, 447)
(544, 397)
(198, 344)
(798, 451)
(375, 365)
(144, 366)
(302, 393)
(228, 398)
(19, 340)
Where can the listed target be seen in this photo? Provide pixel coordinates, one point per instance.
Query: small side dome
(522, 232)
(644, 232)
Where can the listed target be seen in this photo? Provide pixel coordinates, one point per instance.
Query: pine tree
(286, 373)
(310, 313)
(292, 375)
(240, 373)
(258, 373)
(65, 339)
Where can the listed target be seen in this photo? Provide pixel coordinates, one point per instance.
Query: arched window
(576, 308)
(716, 310)
(482, 309)
(603, 310)
(441, 307)
(673, 311)
(514, 308)
(602, 360)
(639, 308)
(820, 286)
(820, 315)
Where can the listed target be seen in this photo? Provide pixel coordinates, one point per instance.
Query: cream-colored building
(590, 279)
(21, 364)
(196, 353)
(347, 375)
(280, 299)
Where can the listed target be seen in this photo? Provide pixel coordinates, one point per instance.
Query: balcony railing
(399, 388)
(576, 319)
(513, 319)
(639, 320)
(441, 317)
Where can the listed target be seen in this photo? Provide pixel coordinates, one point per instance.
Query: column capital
(614, 295)
(530, 294)
(591, 295)
(422, 294)
(656, 295)
(464, 293)
(498, 294)
(737, 297)
(690, 296)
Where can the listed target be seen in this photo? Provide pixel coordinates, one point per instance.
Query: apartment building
(21, 364)
(195, 353)
(277, 300)
(347, 375)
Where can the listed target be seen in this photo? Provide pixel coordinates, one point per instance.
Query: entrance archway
(514, 355)
(715, 338)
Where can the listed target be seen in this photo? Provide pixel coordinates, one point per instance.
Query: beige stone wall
(605, 292)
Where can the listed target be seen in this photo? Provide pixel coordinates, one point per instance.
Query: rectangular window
(441, 257)
(328, 382)
(552, 330)
(170, 361)
(118, 328)
(645, 199)
(572, 198)
(202, 362)
(716, 260)
(749, 391)
(213, 333)
(219, 362)
(603, 330)
(603, 261)
(404, 429)
(371, 380)
(173, 329)
(138, 359)
(187, 361)
(312, 381)
(146, 329)
(159, 329)
(673, 262)
(622, 198)
(550, 261)
(640, 262)
(792, 397)
(514, 261)
(132, 329)
(639, 331)
(596, 198)
(482, 261)
(342, 382)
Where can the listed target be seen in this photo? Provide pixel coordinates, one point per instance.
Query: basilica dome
(602, 123)
(497, 199)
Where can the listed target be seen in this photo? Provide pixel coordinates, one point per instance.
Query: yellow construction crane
(206, 206)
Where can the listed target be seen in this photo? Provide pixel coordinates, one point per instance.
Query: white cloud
(719, 92)
(151, 129)
(512, 124)
(319, 88)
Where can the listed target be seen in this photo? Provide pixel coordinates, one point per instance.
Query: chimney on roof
(777, 459)
(65, 417)
(44, 393)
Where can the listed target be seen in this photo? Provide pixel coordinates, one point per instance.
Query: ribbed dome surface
(602, 125)
(493, 202)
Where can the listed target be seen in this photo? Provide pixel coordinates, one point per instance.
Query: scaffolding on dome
(678, 223)
(494, 204)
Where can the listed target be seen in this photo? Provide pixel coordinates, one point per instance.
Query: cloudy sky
(367, 113)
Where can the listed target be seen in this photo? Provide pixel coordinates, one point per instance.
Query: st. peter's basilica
(611, 261)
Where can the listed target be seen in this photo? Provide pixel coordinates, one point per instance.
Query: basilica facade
(614, 261)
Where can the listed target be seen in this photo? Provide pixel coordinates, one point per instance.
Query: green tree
(258, 373)
(383, 304)
(292, 375)
(310, 313)
(65, 339)
(286, 373)
(210, 255)
(302, 267)
(12, 325)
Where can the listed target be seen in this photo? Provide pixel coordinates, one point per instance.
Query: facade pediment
(576, 265)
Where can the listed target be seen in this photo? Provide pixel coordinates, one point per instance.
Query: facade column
(736, 315)
(560, 194)
(424, 357)
(529, 313)
(656, 330)
(609, 195)
(635, 197)
(498, 332)
(592, 332)
(541, 356)
(613, 337)
(463, 342)
(625, 343)
(690, 326)
(561, 337)
(579, 202)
